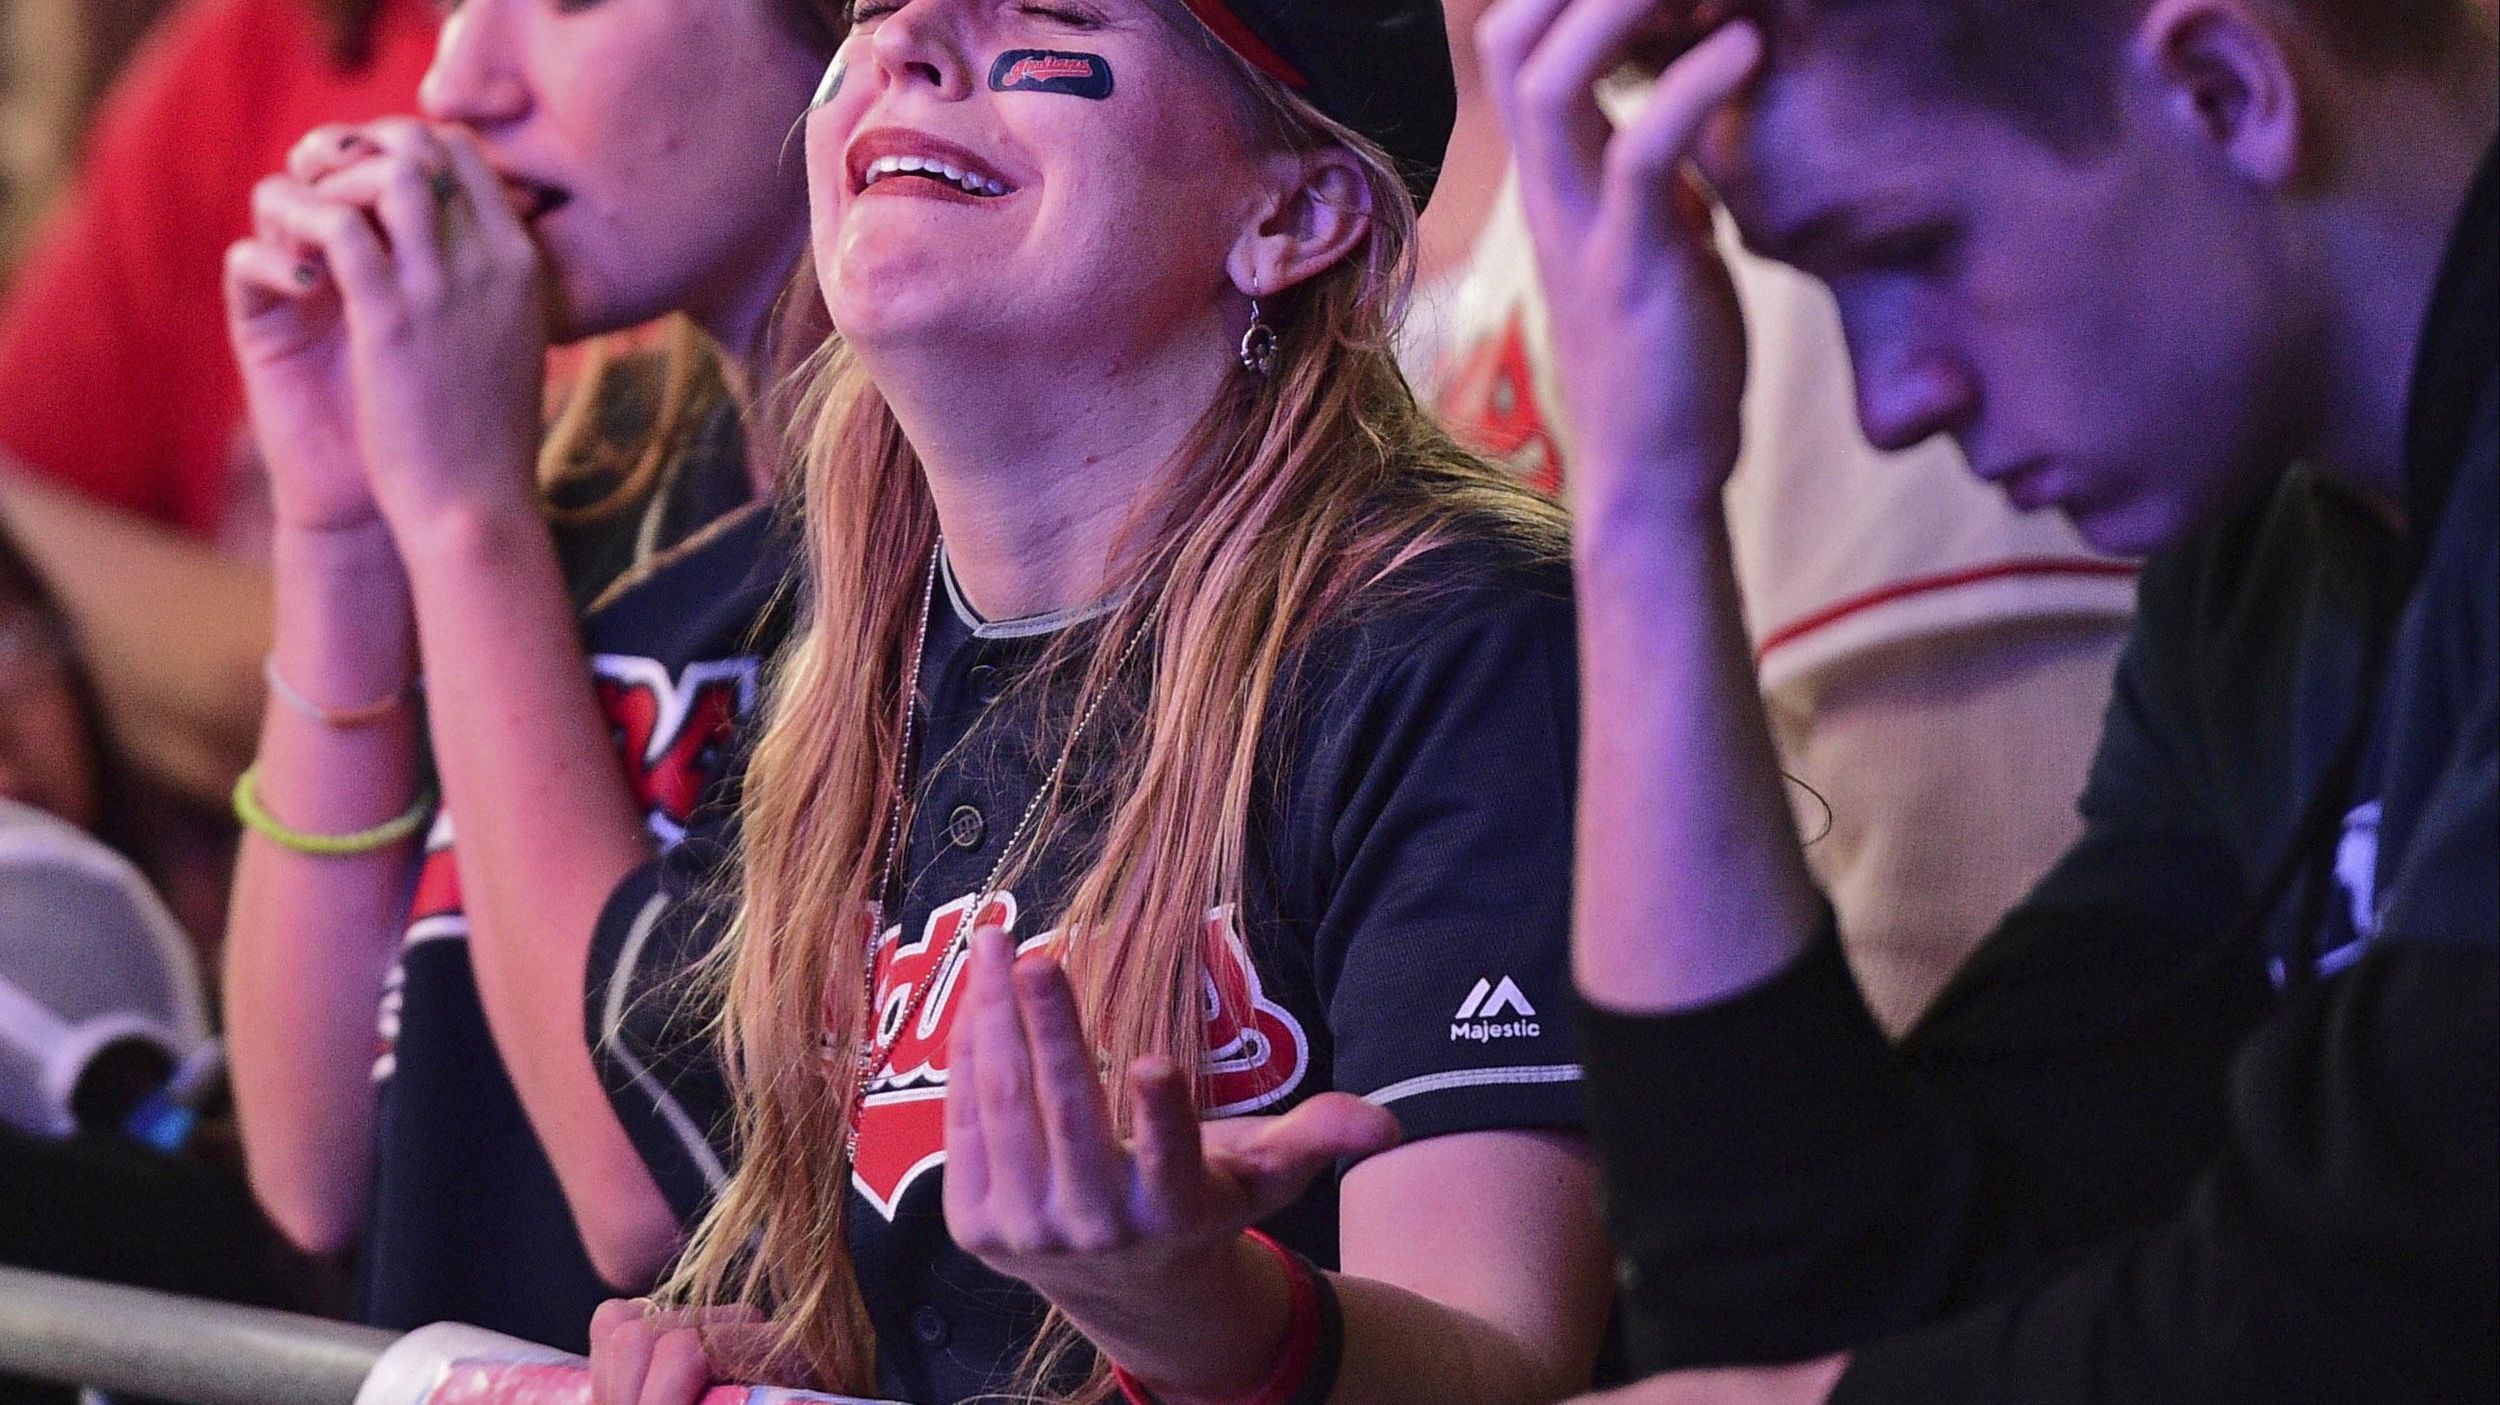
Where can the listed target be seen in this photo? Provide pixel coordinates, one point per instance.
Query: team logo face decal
(827, 90)
(1256, 1052)
(1049, 71)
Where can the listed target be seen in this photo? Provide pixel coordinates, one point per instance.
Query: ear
(1316, 210)
(2224, 70)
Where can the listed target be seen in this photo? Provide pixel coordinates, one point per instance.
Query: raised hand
(390, 260)
(1648, 344)
(446, 311)
(1040, 1188)
(289, 333)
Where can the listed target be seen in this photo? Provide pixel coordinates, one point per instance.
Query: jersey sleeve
(1440, 814)
(650, 1032)
(1783, 1181)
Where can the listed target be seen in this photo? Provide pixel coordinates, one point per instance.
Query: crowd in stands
(1192, 702)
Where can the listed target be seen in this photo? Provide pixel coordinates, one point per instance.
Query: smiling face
(1033, 176)
(645, 142)
(2111, 331)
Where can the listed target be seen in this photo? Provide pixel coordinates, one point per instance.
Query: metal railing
(136, 1342)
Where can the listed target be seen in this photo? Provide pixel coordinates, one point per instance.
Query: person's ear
(2224, 70)
(1316, 211)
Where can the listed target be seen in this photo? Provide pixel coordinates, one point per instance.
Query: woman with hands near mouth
(1156, 635)
(580, 167)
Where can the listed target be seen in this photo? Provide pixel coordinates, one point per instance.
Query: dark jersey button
(929, 1325)
(984, 680)
(965, 827)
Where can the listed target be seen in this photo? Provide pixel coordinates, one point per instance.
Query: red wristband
(1294, 1356)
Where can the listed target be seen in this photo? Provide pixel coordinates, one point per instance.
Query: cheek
(825, 177)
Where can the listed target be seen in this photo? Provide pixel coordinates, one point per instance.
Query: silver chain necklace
(875, 1054)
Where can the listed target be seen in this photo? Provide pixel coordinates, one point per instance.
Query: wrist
(464, 534)
(358, 546)
(1295, 1363)
(1640, 508)
(341, 628)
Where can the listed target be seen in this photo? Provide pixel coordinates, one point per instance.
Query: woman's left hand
(1039, 1187)
(447, 328)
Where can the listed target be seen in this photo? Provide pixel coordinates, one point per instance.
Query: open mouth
(531, 201)
(974, 183)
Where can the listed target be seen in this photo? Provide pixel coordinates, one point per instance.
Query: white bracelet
(342, 718)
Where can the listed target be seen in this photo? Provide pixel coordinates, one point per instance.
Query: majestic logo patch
(1256, 1051)
(1048, 71)
(1479, 1018)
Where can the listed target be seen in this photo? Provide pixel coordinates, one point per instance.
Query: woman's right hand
(642, 1354)
(289, 331)
(1648, 343)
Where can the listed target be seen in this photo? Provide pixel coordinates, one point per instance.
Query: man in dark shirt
(2213, 1116)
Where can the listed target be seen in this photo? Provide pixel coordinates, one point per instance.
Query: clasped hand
(389, 317)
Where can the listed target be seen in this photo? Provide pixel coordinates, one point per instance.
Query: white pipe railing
(137, 1342)
(173, 1348)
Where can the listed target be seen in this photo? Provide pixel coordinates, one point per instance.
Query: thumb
(1277, 1158)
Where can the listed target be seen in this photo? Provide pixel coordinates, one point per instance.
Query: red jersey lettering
(1256, 1052)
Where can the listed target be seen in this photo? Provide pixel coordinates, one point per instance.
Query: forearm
(310, 938)
(171, 633)
(1689, 884)
(2345, 1235)
(1776, 1186)
(546, 827)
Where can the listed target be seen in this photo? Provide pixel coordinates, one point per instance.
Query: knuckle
(679, 1347)
(1093, 1234)
(405, 181)
(396, 130)
(1544, 88)
(1025, 1236)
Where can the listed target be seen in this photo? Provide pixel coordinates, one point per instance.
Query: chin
(889, 305)
(2128, 528)
(582, 307)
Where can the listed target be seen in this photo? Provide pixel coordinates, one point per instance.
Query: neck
(1036, 461)
(2384, 249)
(741, 322)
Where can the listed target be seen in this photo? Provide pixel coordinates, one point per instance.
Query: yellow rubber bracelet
(256, 818)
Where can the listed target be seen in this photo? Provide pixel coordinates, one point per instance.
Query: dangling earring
(1258, 345)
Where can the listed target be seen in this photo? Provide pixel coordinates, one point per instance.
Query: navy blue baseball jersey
(468, 1222)
(1403, 936)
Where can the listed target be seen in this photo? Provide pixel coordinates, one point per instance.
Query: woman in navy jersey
(580, 167)
(1153, 633)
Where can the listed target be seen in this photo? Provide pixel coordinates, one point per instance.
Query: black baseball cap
(1381, 67)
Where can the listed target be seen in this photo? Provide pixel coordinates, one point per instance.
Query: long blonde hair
(1293, 495)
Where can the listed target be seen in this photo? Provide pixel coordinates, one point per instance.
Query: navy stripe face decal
(826, 90)
(1050, 71)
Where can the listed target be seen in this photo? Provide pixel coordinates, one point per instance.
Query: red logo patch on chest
(1490, 404)
(669, 730)
(1257, 1052)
